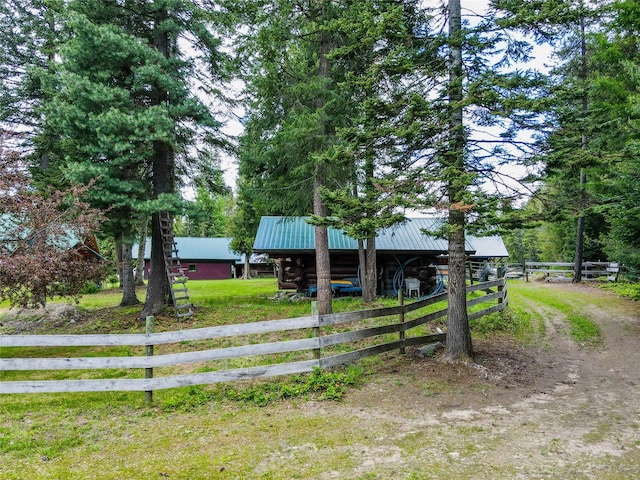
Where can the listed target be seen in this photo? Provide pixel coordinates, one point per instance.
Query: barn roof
(196, 248)
(489, 247)
(281, 235)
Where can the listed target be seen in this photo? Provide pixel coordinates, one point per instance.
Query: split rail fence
(589, 270)
(320, 339)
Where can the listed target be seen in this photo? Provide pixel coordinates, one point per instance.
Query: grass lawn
(218, 431)
(201, 292)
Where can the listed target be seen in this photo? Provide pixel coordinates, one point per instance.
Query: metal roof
(489, 247)
(60, 238)
(195, 248)
(295, 234)
(409, 236)
(277, 234)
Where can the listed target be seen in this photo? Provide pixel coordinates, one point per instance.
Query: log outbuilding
(404, 253)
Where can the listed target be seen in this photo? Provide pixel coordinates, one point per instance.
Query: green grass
(582, 328)
(325, 385)
(203, 292)
(268, 428)
(624, 289)
(515, 320)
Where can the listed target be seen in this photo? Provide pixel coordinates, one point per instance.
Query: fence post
(401, 320)
(316, 330)
(148, 372)
(503, 285)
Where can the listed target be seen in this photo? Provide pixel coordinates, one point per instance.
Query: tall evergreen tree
(377, 43)
(571, 148)
(590, 150)
(297, 106)
(457, 184)
(616, 59)
(124, 111)
(100, 124)
(33, 32)
(468, 111)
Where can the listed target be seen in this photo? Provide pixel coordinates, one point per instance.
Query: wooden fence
(320, 338)
(590, 270)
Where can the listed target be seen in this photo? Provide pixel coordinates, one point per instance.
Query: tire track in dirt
(590, 414)
(579, 418)
(564, 352)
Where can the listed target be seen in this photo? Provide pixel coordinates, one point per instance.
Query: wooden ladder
(175, 272)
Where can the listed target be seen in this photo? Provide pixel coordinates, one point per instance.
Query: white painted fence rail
(315, 344)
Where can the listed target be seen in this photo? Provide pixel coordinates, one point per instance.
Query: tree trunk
(458, 346)
(362, 266)
(369, 275)
(577, 267)
(119, 260)
(246, 274)
(155, 300)
(140, 264)
(368, 271)
(323, 264)
(163, 183)
(128, 282)
(50, 48)
(158, 284)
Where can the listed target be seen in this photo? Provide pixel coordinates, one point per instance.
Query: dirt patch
(558, 410)
(53, 317)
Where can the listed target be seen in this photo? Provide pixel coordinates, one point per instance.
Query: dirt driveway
(557, 410)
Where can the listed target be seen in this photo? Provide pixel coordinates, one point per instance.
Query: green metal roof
(295, 234)
(10, 228)
(195, 248)
(276, 234)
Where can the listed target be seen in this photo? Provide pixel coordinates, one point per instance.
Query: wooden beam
(89, 363)
(146, 384)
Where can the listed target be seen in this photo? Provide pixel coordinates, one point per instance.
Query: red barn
(201, 258)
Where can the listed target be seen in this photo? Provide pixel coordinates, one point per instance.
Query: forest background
(354, 112)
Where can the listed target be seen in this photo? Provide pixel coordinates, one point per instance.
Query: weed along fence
(228, 352)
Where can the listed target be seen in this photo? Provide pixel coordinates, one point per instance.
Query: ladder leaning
(174, 270)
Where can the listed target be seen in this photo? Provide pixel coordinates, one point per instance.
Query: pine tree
(571, 150)
(102, 127)
(467, 113)
(124, 113)
(297, 107)
(32, 34)
(616, 62)
(377, 40)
